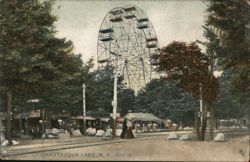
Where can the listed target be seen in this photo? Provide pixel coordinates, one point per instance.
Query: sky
(173, 20)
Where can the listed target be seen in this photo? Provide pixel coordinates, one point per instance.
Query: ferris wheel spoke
(117, 45)
(133, 43)
(145, 69)
(103, 54)
(128, 78)
(106, 23)
(139, 44)
(105, 51)
(147, 63)
(101, 45)
(122, 35)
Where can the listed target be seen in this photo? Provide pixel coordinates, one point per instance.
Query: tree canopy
(167, 101)
(188, 67)
(231, 20)
(227, 106)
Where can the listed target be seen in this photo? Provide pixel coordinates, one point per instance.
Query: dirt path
(156, 149)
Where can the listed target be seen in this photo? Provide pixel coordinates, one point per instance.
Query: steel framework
(127, 36)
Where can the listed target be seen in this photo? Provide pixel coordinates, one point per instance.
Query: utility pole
(84, 108)
(115, 96)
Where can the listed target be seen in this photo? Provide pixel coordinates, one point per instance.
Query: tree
(126, 100)
(212, 45)
(99, 93)
(100, 90)
(69, 96)
(228, 106)
(227, 32)
(166, 100)
(188, 67)
(231, 19)
(32, 59)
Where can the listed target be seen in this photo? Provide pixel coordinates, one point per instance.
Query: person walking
(33, 133)
(124, 128)
(129, 132)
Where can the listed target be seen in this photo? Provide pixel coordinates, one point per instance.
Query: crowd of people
(128, 129)
(147, 127)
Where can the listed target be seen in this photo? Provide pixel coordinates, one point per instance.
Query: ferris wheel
(127, 36)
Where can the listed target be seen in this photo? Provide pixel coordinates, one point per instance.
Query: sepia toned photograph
(125, 80)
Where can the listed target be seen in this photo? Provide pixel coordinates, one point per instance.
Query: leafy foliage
(227, 106)
(23, 44)
(231, 20)
(126, 100)
(213, 48)
(186, 65)
(33, 62)
(166, 100)
(99, 89)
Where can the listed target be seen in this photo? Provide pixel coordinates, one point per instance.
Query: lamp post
(84, 108)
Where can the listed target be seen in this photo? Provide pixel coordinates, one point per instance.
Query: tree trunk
(49, 120)
(8, 117)
(84, 126)
(211, 122)
(20, 124)
(43, 118)
(114, 128)
(197, 126)
(46, 119)
(216, 124)
(204, 122)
